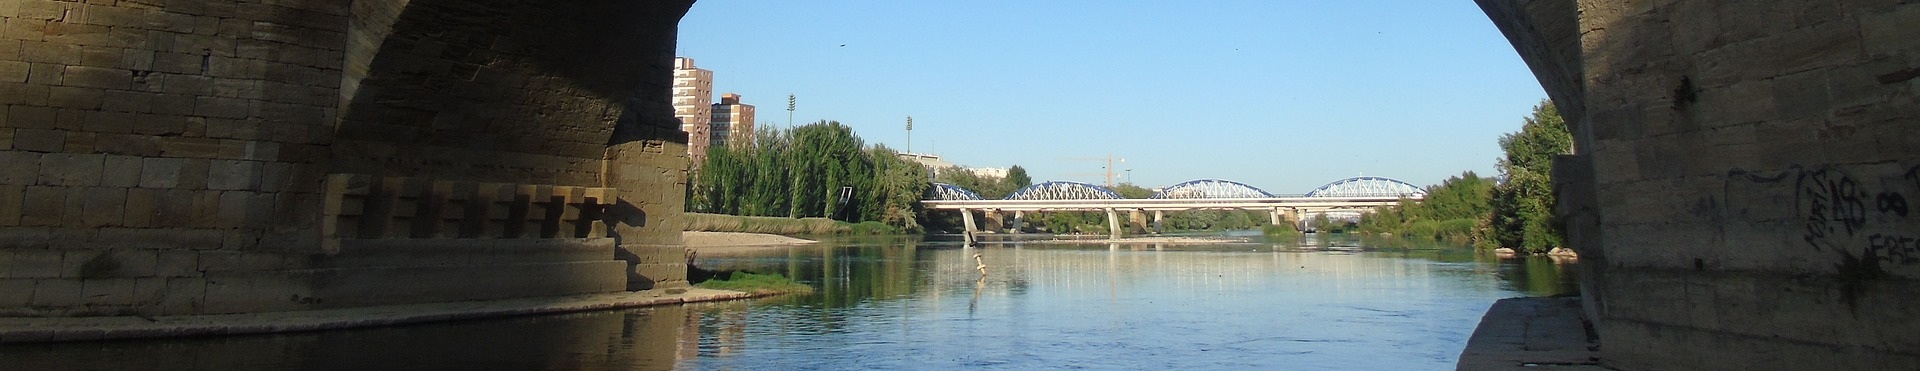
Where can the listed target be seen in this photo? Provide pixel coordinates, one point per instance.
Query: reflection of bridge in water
(1342, 199)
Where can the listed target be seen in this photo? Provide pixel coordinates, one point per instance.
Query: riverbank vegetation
(1514, 212)
(702, 222)
(992, 188)
(757, 284)
(1280, 231)
(819, 170)
(1522, 216)
(1449, 213)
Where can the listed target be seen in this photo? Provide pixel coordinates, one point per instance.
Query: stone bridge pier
(1741, 183)
(1741, 190)
(203, 156)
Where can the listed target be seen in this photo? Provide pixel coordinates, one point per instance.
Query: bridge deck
(1313, 203)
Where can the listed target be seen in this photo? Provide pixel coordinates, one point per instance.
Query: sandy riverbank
(732, 241)
(1156, 240)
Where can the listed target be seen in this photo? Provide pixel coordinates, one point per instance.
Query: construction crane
(1108, 169)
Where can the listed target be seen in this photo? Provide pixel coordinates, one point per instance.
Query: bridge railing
(1163, 204)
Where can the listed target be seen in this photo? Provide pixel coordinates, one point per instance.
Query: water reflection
(913, 304)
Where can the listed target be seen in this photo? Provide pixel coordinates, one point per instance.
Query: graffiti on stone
(1864, 221)
(1831, 202)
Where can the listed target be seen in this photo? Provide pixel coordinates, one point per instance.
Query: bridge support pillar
(996, 221)
(1277, 218)
(967, 226)
(1159, 217)
(1113, 223)
(1019, 221)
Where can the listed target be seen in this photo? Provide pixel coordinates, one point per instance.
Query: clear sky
(1284, 95)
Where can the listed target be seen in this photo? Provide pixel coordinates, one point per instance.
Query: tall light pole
(909, 134)
(790, 111)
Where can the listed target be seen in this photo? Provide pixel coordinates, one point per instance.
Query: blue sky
(1283, 95)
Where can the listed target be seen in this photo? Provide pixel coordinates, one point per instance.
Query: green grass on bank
(1280, 231)
(699, 222)
(758, 284)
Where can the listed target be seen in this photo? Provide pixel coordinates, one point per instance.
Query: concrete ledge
(25, 330)
(1531, 334)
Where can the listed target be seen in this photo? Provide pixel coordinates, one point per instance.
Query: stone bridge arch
(275, 139)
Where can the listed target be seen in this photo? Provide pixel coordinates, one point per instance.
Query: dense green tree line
(992, 188)
(1515, 213)
(1450, 212)
(816, 170)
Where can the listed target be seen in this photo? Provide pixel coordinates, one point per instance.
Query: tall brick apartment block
(693, 105)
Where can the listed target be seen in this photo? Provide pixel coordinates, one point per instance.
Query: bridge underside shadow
(308, 154)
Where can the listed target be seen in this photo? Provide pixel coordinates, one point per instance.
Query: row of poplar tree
(1514, 212)
(816, 170)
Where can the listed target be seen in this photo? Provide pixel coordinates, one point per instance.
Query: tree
(1017, 177)
(1522, 216)
(1129, 190)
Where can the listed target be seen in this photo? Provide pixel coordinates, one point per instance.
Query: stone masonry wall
(171, 157)
(1743, 183)
(145, 143)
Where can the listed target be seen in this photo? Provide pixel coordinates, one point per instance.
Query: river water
(903, 303)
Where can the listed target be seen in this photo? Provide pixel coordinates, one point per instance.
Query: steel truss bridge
(1341, 199)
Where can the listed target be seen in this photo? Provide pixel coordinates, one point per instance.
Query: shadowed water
(895, 303)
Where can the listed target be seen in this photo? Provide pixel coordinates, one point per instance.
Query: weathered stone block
(121, 172)
(228, 261)
(174, 209)
(174, 107)
(190, 147)
(12, 204)
(31, 117)
(160, 172)
(44, 206)
(184, 295)
(148, 291)
(142, 207)
(13, 71)
(74, 97)
(39, 140)
(228, 108)
(19, 167)
(234, 175)
(16, 292)
(57, 293)
(176, 263)
(48, 55)
(96, 77)
(127, 101)
(104, 206)
(206, 209)
(71, 169)
(107, 291)
(34, 262)
(1890, 32)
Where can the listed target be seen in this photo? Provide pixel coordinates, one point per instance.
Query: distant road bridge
(1352, 195)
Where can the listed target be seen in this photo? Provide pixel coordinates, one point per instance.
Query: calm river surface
(900, 303)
